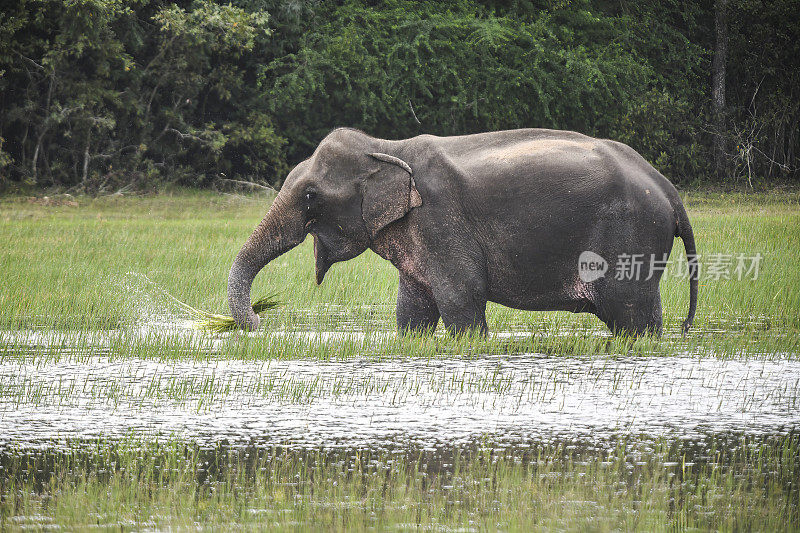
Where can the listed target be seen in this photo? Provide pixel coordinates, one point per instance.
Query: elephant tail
(684, 231)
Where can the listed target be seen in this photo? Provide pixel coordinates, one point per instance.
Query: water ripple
(361, 402)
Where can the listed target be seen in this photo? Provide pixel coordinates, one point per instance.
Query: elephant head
(344, 195)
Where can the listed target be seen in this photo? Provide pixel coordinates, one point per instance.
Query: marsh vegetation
(116, 411)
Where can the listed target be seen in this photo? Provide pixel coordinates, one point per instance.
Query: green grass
(89, 276)
(81, 268)
(172, 484)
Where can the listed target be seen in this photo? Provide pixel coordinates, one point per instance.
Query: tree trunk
(718, 86)
(85, 172)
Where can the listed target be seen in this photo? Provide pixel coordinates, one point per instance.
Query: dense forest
(104, 95)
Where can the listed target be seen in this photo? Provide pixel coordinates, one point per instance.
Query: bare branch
(184, 136)
(412, 112)
(249, 184)
(29, 60)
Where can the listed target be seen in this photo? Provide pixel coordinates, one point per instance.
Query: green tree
(102, 93)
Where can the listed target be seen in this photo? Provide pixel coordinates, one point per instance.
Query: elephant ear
(388, 194)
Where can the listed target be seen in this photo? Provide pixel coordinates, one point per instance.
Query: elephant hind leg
(632, 311)
(462, 303)
(416, 309)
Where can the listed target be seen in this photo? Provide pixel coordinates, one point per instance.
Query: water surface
(363, 402)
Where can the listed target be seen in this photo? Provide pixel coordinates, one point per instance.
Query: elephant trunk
(279, 231)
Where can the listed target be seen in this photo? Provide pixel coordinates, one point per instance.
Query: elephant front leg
(416, 308)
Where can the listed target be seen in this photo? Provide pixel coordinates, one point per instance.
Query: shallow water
(60, 386)
(425, 402)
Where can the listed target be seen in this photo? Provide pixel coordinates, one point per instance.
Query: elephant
(508, 217)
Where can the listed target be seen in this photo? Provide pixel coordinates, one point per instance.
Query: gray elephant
(526, 218)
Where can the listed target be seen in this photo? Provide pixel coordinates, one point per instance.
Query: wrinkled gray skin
(499, 217)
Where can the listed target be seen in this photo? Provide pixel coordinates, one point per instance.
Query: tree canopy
(106, 94)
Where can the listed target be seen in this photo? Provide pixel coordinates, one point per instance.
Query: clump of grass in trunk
(215, 323)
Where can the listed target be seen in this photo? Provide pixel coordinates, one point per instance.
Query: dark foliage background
(99, 95)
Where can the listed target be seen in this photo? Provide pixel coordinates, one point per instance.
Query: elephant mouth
(321, 259)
